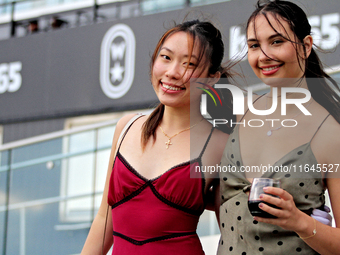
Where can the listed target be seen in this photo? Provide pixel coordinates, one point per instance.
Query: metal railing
(17, 205)
(58, 134)
(75, 11)
(15, 164)
(10, 13)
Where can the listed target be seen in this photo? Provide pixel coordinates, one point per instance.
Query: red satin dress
(157, 216)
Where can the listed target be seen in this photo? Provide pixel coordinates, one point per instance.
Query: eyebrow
(167, 49)
(269, 38)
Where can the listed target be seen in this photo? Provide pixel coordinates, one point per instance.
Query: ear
(308, 43)
(214, 77)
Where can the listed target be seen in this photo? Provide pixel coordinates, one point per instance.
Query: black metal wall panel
(60, 70)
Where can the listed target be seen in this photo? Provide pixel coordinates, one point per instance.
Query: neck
(290, 105)
(179, 118)
(289, 83)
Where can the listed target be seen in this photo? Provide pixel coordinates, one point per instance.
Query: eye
(165, 56)
(192, 64)
(277, 42)
(253, 46)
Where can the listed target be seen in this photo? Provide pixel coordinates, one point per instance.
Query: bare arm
(213, 157)
(326, 239)
(94, 241)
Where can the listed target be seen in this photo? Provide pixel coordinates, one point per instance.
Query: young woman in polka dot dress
(281, 54)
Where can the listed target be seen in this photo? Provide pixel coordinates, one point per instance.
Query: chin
(173, 103)
(273, 81)
(281, 82)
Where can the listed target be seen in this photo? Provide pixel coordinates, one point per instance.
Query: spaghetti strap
(253, 104)
(319, 127)
(126, 129)
(206, 143)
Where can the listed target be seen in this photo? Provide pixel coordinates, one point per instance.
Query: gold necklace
(170, 137)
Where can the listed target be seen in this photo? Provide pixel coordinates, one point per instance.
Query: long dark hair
(321, 91)
(211, 51)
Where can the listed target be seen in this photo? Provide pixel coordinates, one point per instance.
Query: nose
(174, 71)
(264, 55)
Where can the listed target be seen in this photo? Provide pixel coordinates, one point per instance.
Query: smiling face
(273, 49)
(174, 65)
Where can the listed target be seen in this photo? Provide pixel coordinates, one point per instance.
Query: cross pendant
(168, 143)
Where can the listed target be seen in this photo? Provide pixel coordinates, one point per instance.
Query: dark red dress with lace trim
(157, 216)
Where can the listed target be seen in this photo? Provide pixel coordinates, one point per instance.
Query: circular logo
(117, 61)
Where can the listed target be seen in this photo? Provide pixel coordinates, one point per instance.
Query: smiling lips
(270, 69)
(171, 89)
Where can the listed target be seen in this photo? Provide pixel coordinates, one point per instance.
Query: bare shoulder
(254, 98)
(215, 148)
(216, 142)
(123, 121)
(330, 144)
(331, 131)
(219, 138)
(329, 139)
(121, 124)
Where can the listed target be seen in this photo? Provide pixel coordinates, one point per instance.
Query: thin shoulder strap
(126, 128)
(253, 104)
(206, 143)
(319, 127)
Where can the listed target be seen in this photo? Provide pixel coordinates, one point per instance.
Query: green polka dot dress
(240, 233)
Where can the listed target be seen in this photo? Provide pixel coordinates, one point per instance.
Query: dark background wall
(60, 70)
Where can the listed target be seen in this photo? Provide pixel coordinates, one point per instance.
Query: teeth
(270, 68)
(170, 88)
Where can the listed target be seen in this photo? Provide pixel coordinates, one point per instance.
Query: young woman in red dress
(154, 194)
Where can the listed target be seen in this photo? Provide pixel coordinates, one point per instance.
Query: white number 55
(10, 77)
(325, 30)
